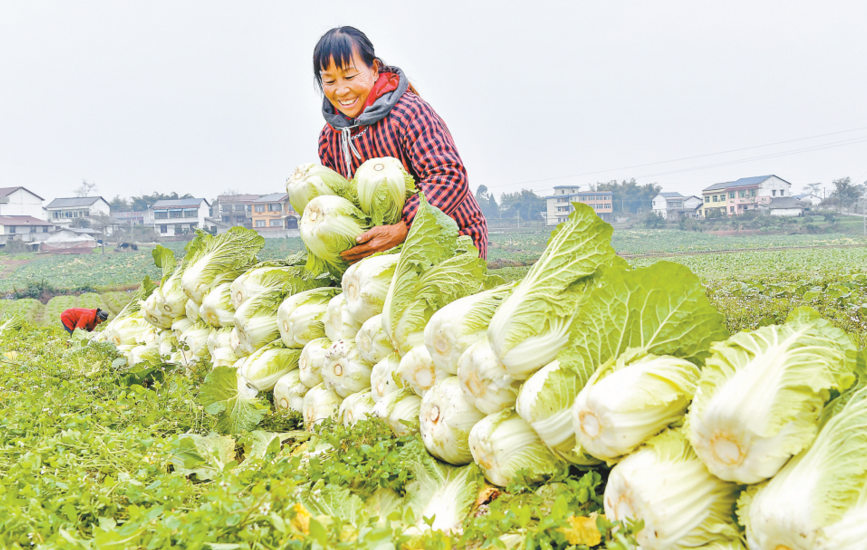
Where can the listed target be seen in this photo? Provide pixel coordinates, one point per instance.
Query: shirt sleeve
(435, 159)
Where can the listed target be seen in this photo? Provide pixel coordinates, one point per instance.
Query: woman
(373, 111)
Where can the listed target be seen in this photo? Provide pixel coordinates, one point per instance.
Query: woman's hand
(378, 239)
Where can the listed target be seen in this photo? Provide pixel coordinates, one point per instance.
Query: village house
(559, 205)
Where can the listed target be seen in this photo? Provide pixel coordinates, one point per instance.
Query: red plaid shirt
(414, 134)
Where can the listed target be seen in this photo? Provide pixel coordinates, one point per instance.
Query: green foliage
(628, 197)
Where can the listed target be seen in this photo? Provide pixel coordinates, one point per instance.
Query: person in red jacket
(85, 319)
(371, 110)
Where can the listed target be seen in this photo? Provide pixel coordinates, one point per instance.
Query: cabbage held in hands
(382, 186)
(330, 226)
(313, 180)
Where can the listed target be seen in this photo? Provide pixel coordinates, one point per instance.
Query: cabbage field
(417, 399)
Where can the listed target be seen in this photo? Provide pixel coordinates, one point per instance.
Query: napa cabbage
(338, 322)
(384, 378)
(502, 444)
(761, 394)
(219, 258)
(532, 325)
(365, 285)
(629, 400)
(217, 309)
(343, 369)
(355, 407)
(256, 320)
(400, 410)
(665, 484)
(301, 316)
(268, 364)
(818, 501)
(228, 396)
(329, 226)
(445, 420)
(320, 403)
(270, 275)
(435, 268)
(373, 344)
(460, 324)
(418, 372)
(311, 180)
(484, 380)
(289, 392)
(311, 361)
(382, 187)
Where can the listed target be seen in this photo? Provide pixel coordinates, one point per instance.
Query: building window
(774, 193)
(175, 214)
(191, 213)
(732, 194)
(11, 229)
(276, 223)
(260, 223)
(239, 208)
(707, 199)
(275, 207)
(742, 193)
(732, 209)
(715, 199)
(782, 192)
(164, 229)
(227, 219)
(161, 215)
(260, 208)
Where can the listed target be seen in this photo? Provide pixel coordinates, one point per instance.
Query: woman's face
(347, 88)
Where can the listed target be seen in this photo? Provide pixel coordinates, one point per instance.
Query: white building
(664, 202)
(66, 210)
(811, 198)
(24, 228)
(769, 186)
(177, 216)
(18, 201)
(784, 206)
(559, 205)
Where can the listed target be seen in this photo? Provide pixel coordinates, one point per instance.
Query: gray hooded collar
(372, 114)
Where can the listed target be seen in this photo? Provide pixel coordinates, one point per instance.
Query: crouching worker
(85, 319)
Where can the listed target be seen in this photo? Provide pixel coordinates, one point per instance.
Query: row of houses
(768, 194)
(23, 216)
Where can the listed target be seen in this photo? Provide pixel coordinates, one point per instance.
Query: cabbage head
(338, 322)
(446, 418)
(343, 370)
(382, 186)
(355, 407)
(289, 392)
(761, 394)
(818, 501)
(301, 316)
(484, 380)
(460, 324)
(264, 276)
(311, 361)
(365, 285)
(329, 226)
(267, 365)
(384, 378)
(666, 485)
(320, 403)
(217, 309)
(256, 320)
(629, 400)
(418, 372)
(502, 444)
(214, 259)
(400, 410)
(532, 325)
(311, 180)
(373, 344)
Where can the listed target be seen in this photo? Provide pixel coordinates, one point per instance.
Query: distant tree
(119, 204)
(487, 202)
(628, 196)
(524, 204)
(813, 188)
(653, 220)
(845, 193)
(85, 188)
(231, 192)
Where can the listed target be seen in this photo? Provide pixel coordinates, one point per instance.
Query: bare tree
(813, 188)
(85, 188)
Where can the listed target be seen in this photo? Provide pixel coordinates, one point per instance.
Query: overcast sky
(201, 97)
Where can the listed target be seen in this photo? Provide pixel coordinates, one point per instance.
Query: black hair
(102, 314)
(339, 44)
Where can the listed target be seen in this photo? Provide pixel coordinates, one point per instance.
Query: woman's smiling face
(347, 87)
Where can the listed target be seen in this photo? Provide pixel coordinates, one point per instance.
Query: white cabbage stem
(446, 418)
(484, 380)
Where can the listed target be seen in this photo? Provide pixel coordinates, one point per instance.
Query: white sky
(204, 96)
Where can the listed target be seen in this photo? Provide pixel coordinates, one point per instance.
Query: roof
(565, 186)
(6, 191)
(578, 193)
(692, 197)
(273, 197)
(717, 186)
(785, 202)
(179, 203)
(237, 198)
(673, 195)
(22, 220)
(72, 202)
(802, 195)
